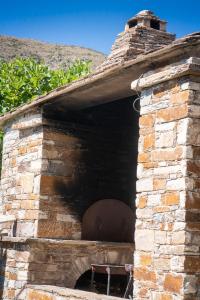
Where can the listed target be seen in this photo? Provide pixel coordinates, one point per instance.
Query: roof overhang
(111, 84)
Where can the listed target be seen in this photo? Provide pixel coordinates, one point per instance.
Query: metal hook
(134, 105)
(138, 94)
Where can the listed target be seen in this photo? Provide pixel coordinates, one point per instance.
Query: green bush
(24, 79)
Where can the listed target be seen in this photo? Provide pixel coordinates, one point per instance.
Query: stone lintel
(191, 66)
(30, 119)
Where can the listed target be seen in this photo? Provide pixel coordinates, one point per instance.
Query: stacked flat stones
(138, 39)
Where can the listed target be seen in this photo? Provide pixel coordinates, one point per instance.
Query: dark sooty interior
(103, 145)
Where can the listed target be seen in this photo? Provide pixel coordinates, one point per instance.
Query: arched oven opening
(109, 280)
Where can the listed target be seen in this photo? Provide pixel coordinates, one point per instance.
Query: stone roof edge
(150, 57)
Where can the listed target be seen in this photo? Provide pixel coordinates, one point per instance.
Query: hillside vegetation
(24, 79)
(30, 68)
(55, 56)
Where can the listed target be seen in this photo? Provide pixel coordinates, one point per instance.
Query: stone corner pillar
(167, 236)
(39, 161)
(21, 173)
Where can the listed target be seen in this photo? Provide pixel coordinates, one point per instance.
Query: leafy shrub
(24, 79)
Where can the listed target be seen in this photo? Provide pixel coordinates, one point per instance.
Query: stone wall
(167, 235)
(52, 262)
(21, 168)
(60, 179)
(55, 293)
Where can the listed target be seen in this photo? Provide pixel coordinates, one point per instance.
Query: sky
(90, 23)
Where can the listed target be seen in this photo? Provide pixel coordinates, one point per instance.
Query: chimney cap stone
(146, 18)
(145, 13)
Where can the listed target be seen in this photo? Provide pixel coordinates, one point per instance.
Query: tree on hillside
(24, 79)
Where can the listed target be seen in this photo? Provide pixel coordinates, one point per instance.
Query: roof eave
(135, 67)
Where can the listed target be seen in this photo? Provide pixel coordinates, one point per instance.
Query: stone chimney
(143, 33)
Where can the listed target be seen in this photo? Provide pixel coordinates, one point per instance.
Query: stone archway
(83, 264)
(101, 253)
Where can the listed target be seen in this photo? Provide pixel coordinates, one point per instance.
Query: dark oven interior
(92, 161)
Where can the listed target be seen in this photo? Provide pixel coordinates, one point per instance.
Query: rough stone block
(144, 239)
(144, 185)
(173, 283)
(26, 181)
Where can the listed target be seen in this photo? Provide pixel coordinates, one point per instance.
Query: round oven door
(108, 220)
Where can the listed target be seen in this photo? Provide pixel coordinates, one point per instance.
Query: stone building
(101, 177)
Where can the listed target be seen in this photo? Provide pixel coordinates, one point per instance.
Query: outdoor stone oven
(75, 172)
(70, 159)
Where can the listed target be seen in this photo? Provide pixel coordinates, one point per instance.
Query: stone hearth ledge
(46, 292)
(24, 240)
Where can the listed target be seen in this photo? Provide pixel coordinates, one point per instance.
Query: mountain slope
(55, 56)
